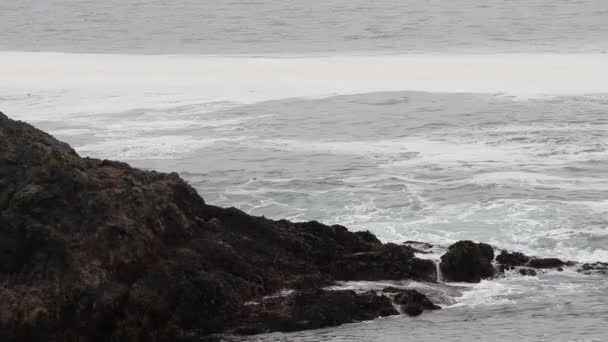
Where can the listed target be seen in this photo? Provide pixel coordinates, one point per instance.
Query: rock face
(313, 309)
(390, 262)
(94, 250)
(467, 261)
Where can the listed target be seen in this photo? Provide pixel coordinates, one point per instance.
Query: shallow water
(417, 120)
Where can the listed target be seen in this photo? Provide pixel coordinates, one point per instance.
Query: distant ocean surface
(417, 120)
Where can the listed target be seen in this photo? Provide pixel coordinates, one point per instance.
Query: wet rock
(94, 250)
(392, 289)
(467, 261)
(545, 263)
(313, 309)
(419, 247)
(420, 244)
(413, 303)
(527, 272)
(596, 267)
(512, 259)
(389, 262)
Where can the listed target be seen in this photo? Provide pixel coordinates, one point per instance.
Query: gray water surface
(297, 26)
(522, 172)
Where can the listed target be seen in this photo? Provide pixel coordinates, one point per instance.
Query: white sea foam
(157, 147)
(245, 79)
(540, 179)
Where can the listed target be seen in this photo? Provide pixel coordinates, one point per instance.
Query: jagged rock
(313, 309)
(390, 262)
(512, 259)
(545, 263)
(94, 250)
(596, 267)
(418, 247)
(423, 245)
(467, 261)
(527, 272)
(413, 303)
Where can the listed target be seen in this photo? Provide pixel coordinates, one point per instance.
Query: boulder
(527, 272)
(467, 261)
(413, 303)
(512, 259)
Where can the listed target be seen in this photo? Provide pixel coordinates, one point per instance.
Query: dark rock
(420, 244)
(596, 267)
(310, 281)
(509, 260)
(527, 272)
(389, 262)
(418, 247)
(545, 263)
(392, 289)
(413, 303)
(467, 261)
(94, 250)
(313, 309)
(512, 259)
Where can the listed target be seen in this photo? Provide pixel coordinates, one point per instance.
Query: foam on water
(262, 78)
(163, 147)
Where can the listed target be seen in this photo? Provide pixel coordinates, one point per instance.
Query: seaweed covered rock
(467, 261)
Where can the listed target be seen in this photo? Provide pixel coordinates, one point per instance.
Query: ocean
(417, 120)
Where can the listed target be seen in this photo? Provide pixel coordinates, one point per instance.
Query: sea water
(417, 120)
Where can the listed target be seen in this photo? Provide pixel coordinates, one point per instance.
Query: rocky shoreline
(95, 250)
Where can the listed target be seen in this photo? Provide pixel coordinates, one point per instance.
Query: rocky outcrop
(596, 267)
(546, 263)
(313, 309)
(509, 260)
(527, 272)
(412, 302)
(95, 250)
(390, 262)
(467, 261)
(512, 259)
